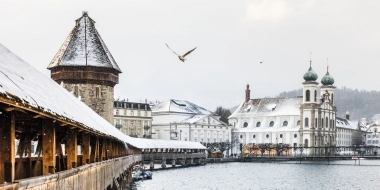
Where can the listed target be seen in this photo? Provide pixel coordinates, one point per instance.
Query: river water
(282, 175)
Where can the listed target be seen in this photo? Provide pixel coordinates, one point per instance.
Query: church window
(332, 98)
(267, 135)
(307, 95)
(306, 143)
(327, 122)
(298, 123)
(285, 123)
(97, 92)
(316, 122)
(306, 122)
(117, 112)
(258, 124)
(315, 96)
(271, 124)
(281, 136)
(254, 136)
(241, 136)
(245, 124)
(295, 135)
(322, 123)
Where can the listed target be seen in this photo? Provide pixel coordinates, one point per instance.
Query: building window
(132, 113)
(253, 136)
(245, 124)
(125, 112)
(267, 136)
(138, 113)
(285, 123)
(258, 124)
(281, 136)
(241, 136)
(316, 123)
(322, 122)
(271, 124)
(306, 143)
(307, 95)
(306, 122)
(327, 122)
(97, 92)
(298, 123)
(315, 96)
(117, 112)
(332, 98)
(295, 135)
(146, 113)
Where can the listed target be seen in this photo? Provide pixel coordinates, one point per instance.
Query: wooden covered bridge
(51, 140)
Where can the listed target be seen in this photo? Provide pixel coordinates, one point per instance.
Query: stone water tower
(85, 67)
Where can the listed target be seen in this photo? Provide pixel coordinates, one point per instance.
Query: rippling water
(284, 175)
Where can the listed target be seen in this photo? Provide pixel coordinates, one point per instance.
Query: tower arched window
(327, 122)
(298, 123)
(322, 123)
(315, 95)
(306, 122)
(245, 124)
(306, 143)
(258, 124)
(332, 98)
(316, 122)
(271, 124)
(307, 95)
(285, 123)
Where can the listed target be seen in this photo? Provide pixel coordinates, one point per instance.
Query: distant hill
(360, 104)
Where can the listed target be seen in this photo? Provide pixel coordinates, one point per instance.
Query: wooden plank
(48, 147)
(7, 148)
(85, 148)
(71, 148)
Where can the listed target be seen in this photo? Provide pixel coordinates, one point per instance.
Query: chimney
(247, 94)
(347, 115)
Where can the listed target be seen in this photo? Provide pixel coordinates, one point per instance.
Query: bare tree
(223, 113)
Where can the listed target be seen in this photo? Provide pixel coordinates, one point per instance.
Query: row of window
(209, 127)
(267, 136)
(132, 113)
(271, 124)
(327, 122)
(307, 95)
(97, 91)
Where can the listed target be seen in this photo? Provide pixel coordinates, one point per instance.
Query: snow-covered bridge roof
(157, 143)
(23, 86)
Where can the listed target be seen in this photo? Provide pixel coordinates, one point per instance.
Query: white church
(309, 120)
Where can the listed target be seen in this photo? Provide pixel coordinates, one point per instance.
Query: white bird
(181, 57)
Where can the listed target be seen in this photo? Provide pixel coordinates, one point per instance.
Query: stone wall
(98, 97)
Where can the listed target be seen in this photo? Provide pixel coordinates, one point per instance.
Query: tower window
(315, 96)
(327, 122)
(267, 136)
(76, 90)
(254, 136)
(245, 124)
(316, 122)
(281, 136)
(332, 98)
(271, 124)
(97, 92)
(285, 123)
(298, 123)
(307, 95)
(306, 122)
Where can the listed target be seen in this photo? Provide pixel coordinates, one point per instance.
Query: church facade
(308, 120)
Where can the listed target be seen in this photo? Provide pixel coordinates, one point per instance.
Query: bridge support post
(85, 148)
(163, 165)
(48, 147)
(152, 164)
(72, 148)
(7, 148)
(191, 161)
(173, 163)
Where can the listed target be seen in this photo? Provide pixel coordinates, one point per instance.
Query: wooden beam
(97, 149)
(85, 148)
(71, 148)
(7, 147)
(48, 147)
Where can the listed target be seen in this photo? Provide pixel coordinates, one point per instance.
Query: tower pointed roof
(84, 47)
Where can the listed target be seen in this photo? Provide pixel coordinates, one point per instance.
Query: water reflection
(284, 175)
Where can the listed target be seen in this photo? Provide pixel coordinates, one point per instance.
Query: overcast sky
(232, 38)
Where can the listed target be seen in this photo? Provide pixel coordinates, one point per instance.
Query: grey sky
(232, 38)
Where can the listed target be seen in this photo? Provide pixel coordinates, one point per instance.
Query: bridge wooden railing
(160, 156)
(97, 175)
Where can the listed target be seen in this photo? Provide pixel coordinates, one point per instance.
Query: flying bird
(181, 57)
(261, 62)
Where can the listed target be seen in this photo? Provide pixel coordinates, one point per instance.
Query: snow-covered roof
(26, 87)
(84, 47)
(269, 107)
(157, 143)
(344, 123)
(179, 106)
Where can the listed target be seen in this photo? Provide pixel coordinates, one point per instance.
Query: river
(282, 175)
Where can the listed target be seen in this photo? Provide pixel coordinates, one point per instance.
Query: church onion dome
(310, 75)
(327, 79)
